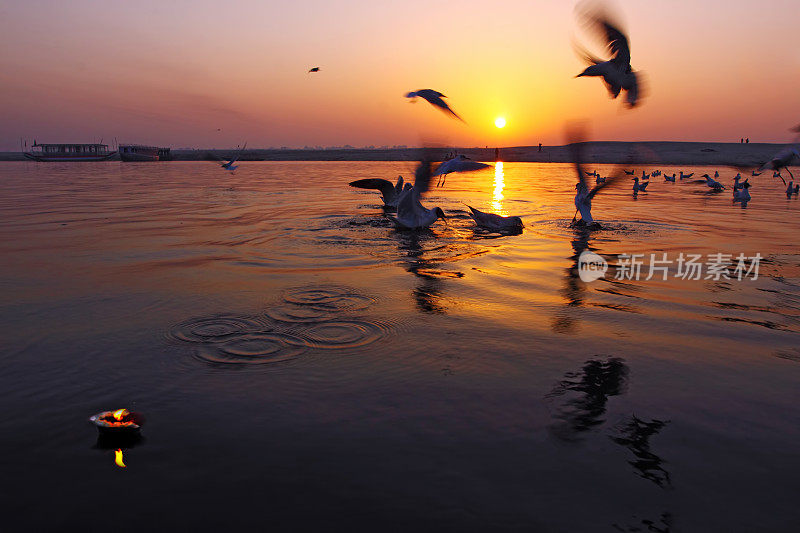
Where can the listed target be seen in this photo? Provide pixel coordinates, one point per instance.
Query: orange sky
(171, 73)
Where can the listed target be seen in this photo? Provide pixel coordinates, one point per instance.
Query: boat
(139, 152)
(69, 152)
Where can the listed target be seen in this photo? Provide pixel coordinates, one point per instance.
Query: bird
(630, 172)
(584, 196)
(598, 179)
(593, 173)
(656, 173)
(639, 187)
(716, 173)
(389, 193)
(780, 161)
(227, 165)
(411, 214)
(686, 176)
(712, 183)
(459, 163)
(314, 69)
(736, 184)
(756, 173)
(645, 176)
(742, 194)
(434, 98)
(789, 189)
(670, 178)
(495, 222)
(617, 73)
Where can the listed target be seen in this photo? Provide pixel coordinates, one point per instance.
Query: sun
(500, 122)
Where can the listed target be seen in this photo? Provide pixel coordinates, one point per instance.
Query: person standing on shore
(747, 141)
(540, 147)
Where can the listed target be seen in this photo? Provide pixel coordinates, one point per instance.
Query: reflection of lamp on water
(118, 458)
(499, 184)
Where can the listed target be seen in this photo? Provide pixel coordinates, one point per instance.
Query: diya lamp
(118, 423)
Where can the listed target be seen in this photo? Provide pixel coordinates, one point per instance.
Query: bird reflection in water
(635, 435)
(428, 295)
(587, 392)
(574, 288)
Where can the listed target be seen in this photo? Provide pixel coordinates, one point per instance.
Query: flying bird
(617, 73)
(434, 98)
(495, 222)
(459, 163)
(390, 193)
(314, 69)
(780, 161)
(227, 165)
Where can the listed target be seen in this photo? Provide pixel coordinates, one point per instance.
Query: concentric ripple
(254, 348)
(216, 328)
(298, 314)
(328, 298)
(338, 334)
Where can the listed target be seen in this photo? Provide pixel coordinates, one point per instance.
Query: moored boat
(69, 152)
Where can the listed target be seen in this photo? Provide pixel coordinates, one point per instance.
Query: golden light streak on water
(499, 184)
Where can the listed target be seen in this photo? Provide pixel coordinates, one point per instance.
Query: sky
(202, 74)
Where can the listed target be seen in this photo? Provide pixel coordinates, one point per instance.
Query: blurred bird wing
(617, 43)
(384, 186)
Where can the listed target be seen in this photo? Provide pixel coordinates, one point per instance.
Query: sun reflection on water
(499, 184)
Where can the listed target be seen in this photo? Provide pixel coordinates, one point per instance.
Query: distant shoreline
(612, 152)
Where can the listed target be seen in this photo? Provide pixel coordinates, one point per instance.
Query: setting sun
(500, 122)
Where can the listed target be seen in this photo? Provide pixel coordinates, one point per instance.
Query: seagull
(656, 173)
(390, 193)
(593, 173)
(630, 172)
(315, 69)
(742, 194)
(789, 189)
(780, 161)
(712, 183)
(583, 196)
(736, 184)
(410, 212)
(434, 98)
(227, 165)
(645, 176)
(756, 173)
(616, 72)
(639, 187)
(716, 173)
(495, 222)
(599, 180)
(460, 163)
(686, 176)
(670, 178)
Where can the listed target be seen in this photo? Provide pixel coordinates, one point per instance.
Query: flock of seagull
(617, 75)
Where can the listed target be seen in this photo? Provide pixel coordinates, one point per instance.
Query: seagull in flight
(228, 165)
(434, 98)
(617, 73)
(390, 193)
(780, 161)
(314, 69)
(459, 163)
(411, 214)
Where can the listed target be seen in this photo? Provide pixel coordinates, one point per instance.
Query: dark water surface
(303, 366)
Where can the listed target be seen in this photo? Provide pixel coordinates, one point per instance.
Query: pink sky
(171, 73)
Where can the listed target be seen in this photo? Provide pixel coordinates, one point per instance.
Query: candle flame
(118, 414)
(118, 458)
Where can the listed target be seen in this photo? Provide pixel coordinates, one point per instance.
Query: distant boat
(69, 152)
(138, 152)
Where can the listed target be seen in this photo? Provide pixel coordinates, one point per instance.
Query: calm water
(305, 366)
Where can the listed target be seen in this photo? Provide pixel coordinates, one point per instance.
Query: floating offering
(117, 422)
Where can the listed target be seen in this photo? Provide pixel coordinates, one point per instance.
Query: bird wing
(617, 43)
(385, 186)
(239, 153)
(423, 175)
(441, 104)
(632, 96)
(459, 165)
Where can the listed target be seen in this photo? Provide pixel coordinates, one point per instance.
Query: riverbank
(658, 152)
